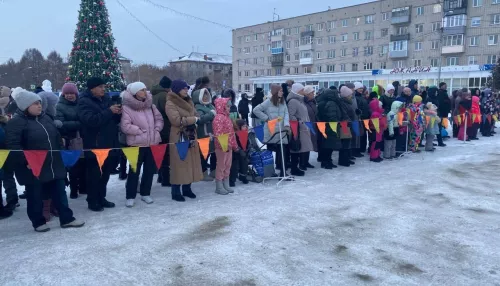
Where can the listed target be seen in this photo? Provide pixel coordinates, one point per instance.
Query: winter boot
(73, 194)
(207, 177)
(187, 192)
(42, 228)
(23, 196)
(4, 213)
(165, 177)
(212, 174)
(46, 210)
(12, 205)
(176, 194)
(294, 166)
(227, 186)
(219, 188)
(73, 224)
(107, 204)
(243, 179)
(297, 172)
(344, 158)
(130, 203)
(377, 160)
(232, 183)
(147, 199)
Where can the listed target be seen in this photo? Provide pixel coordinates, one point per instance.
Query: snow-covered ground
(426, 219)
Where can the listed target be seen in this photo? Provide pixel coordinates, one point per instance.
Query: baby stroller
(261, 161)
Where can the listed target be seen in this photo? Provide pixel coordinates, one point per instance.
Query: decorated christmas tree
(93, 53)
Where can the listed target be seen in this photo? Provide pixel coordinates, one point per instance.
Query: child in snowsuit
(239, 168)
(392, 130)
(476, 119)
(416, 123)
(222, 125)
(432, 121)
(376, 137)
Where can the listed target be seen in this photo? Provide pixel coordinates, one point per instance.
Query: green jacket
(160, 100)
(206, 112)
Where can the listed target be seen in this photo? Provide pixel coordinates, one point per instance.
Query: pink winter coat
(222, 124)
(141, 121)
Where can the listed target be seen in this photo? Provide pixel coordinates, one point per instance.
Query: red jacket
(223, 124)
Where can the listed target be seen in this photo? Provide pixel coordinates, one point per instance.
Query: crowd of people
(382, 123)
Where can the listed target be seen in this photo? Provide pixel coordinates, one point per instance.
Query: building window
(296, 43)
(492, 40)
(434, 63)
(287, 57)
(288, 32)
(287, 45)
(306, 54)
(269, 60)
(436, 26)
(321, 26)
(255, 49)
(418, 46)
(436, 8)
(256, 37)
(277, 71)
(319, 69)
(331, 25)
(355, 36)
(357, 21)
(239, 50)
(330, 68)
(239, 74)
(454, 40)
(268, 47)
(492, 59)
(434, 45)
(399, 46)
(296, 70)
(255, 73)
(309, 27)
(344, 38)
(383, 65)
(296, 30)
(384, 49)
(455, 21)
(474, 41)
(475, 22)
(419, 28)
(417, 63)
(342, 67)
(247, 39)
(306, 40)
(344, 22)
(452, 61)
(296, 57)
(287, 70)
(262, 72)
(385, 16)
(247, 73)
(420, 10)
(246, 50)
(369, 19)
(477, 3)
(247, 87)
(354, 67)
(343, 52)
(331, 39)
(384, 32)
(269, 72)
(495, 19)
(355, 52)
(261, 60)
(367, 66)
(472, 60)
(368, 35)
(400, 64)
(402, 30)
(262, 48)
(318, 55)
(255, 61)
(495, 1)
(319, 41)
(368, 51)
(307, 69)
(331, 54)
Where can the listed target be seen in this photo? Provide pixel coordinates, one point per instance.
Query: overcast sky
(49, 25)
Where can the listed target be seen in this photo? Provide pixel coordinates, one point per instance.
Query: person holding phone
(99, 117)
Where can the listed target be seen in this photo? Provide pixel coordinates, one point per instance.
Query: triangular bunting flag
(70, 157)
(474, 118)
(204, 146)
(427, 120)
(182, 149)
(495, 117)
(376, 124)
(479, 118)
(3, 157)
(459, 119)
(224, 141)
(400, 119)
(333, 126)
(311, 127)
(132, 154)
(101, 155)
(355, 127)
(271, 124)
(383, 123)
(445, 122)
(433, 121)
(158, 152)
(243, 138)
(35, 159)
(322, 128)
(294, 125)
(366, 122)
(343, 126)
(413, 116)
(259, 132)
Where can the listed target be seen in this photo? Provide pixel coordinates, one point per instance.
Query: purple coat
(141, 121)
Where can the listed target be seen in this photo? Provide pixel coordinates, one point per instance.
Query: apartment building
(376, 43)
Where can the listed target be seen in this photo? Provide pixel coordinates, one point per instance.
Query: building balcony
(218, 68)
(454, 30)
(306, 61)
(398, 54)
(398, 20)
(403, 37)
(455, 7)
(305, 47)
(277, 60)
(276, 38)
(307, 34)
(453, 49)
(276, 51)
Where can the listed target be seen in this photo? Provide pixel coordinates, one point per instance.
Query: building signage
(410, 70)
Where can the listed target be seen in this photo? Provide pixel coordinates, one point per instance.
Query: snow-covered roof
(206, 58)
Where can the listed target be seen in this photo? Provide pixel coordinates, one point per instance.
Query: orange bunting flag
(101, 155)
(376, 124)
(204, 146)
(400, 118)
(366, 122)
(445, 122)
(322, 128)
(333, 126)
(427, 120)
(271, 124)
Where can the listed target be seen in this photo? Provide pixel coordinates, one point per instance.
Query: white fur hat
(308, 89)
(135, 87)
(25, 98)
(390, 87)
(358, 85)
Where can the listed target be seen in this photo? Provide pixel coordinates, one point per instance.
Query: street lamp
(441, 46)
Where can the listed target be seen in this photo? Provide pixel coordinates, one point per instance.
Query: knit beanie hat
(390, 87)
(275, 88)
(68, 88)
(345, 91)
(135, 87)
(297, 87)
(417, 99)
(165, 82)
(94, 82)
(178, 85)
(24, 98)
(358, 85)
(350, 85)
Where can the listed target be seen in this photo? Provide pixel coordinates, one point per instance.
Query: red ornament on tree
(84, 20)
(92, 41)
(94, 27)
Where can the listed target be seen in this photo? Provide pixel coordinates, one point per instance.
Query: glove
(58, 123)
(213, 112)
